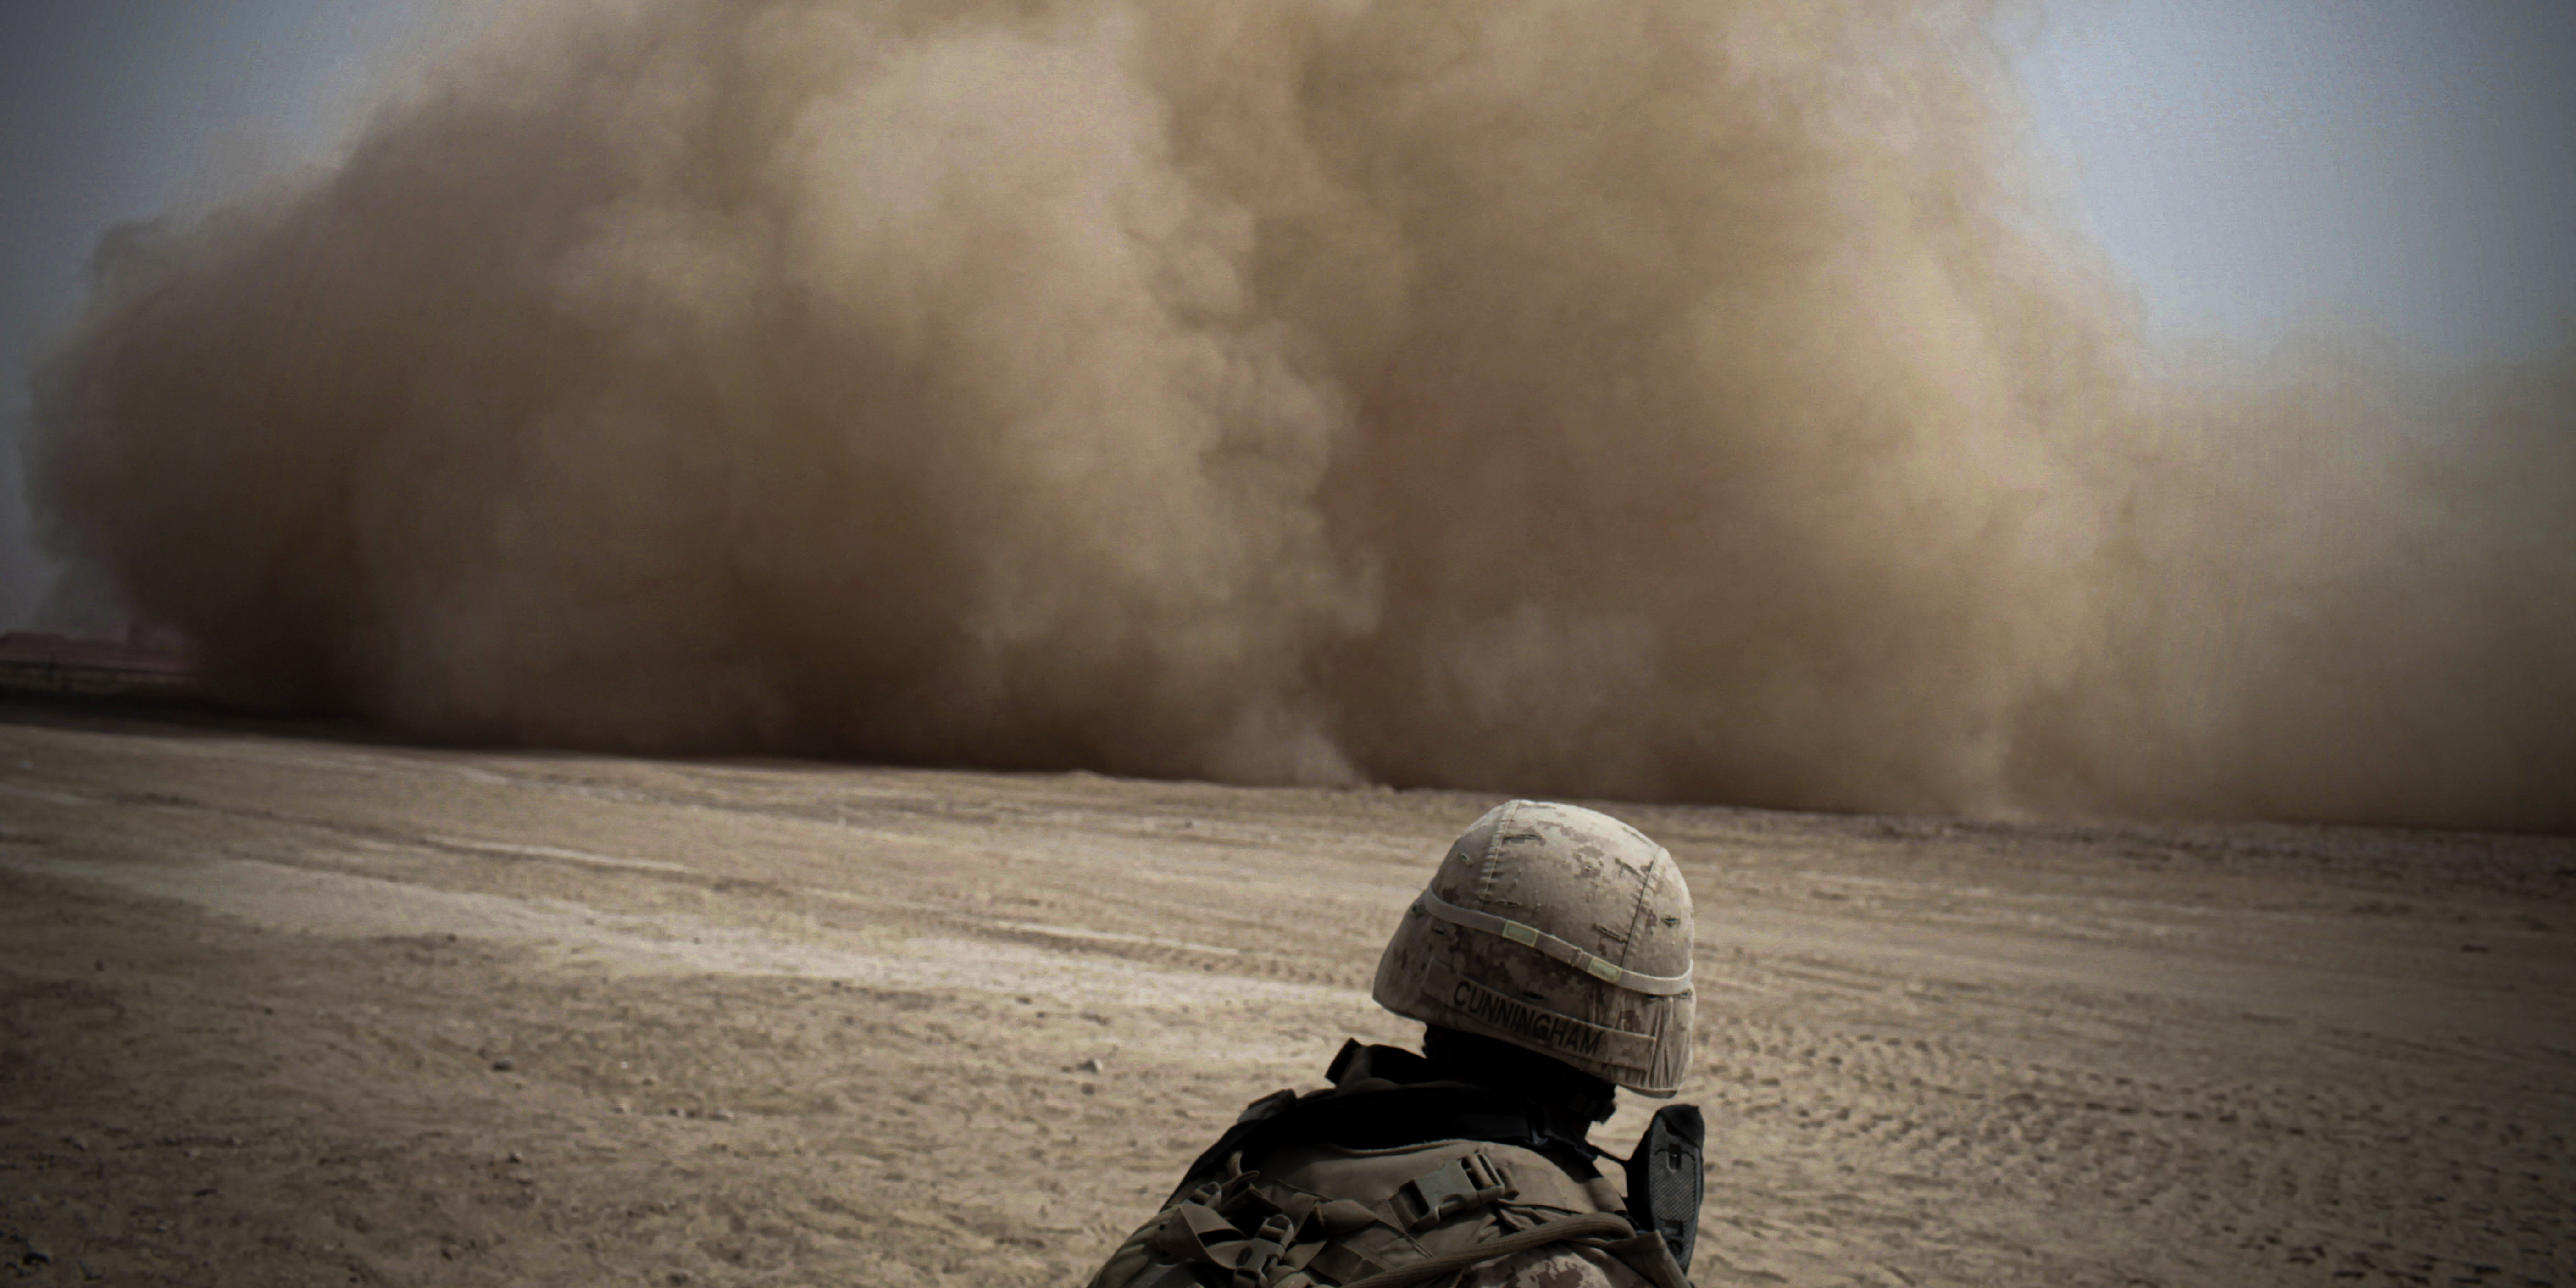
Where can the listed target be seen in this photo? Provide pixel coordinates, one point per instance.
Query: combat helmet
(1557, 929)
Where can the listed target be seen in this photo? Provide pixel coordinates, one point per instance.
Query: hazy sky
(2408, 165)
(114, 110)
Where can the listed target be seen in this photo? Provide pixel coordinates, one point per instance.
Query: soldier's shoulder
(1564, 1266)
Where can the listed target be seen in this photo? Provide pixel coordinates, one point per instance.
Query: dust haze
(1641, 400)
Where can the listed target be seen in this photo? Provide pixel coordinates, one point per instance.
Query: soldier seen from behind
(1550, 961)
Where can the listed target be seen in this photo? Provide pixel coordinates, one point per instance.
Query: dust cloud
(1642, 400)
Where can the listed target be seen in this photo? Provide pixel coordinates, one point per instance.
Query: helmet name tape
(1472, 1001)
(1532, 936)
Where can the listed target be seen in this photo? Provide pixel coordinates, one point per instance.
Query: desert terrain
(284, 1005)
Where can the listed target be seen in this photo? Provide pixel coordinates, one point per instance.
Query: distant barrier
(51, 664)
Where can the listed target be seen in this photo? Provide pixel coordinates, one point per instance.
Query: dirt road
(284, 1008)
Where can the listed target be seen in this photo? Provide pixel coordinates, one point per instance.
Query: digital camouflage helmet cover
(1560, 930)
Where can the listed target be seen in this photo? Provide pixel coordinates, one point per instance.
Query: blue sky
(2403, 166)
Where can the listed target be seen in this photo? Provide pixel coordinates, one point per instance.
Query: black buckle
(1261, 1253)
(1460, 1185)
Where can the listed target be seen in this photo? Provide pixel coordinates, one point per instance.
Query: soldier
(1550, 961)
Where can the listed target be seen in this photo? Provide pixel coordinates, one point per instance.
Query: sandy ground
(285, 1008)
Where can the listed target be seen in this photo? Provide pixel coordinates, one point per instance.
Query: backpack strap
(1478, 1179)
(1592, 1227)
(1197, 1232)
(1264, 1236)
(1376, 1119)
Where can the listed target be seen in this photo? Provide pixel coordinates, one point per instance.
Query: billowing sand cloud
(1640, 399)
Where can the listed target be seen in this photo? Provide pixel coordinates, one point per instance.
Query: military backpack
(1378, 1183)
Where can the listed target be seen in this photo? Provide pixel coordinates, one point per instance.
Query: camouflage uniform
(1554, 1268)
